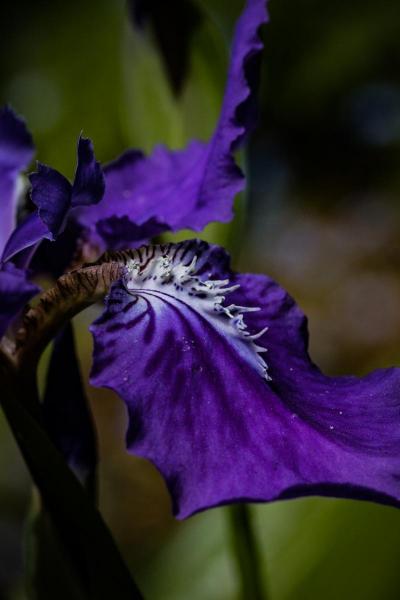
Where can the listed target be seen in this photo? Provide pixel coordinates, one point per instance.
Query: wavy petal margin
(201, 407)
(189, 188)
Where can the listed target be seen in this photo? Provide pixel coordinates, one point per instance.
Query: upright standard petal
(181, 349)
(192, 187)
(15, 292)
(89, 184)
(56, 200)
(53, 194)
(16, 152)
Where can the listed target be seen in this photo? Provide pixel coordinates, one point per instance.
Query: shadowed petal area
(16, 152)
(51, 193)
(15, 292)
(203, 408)
(54, 196)
(189, 188)
(89, 183)
(65, 407)
(120, 232)
(56, 200)
(31, 231)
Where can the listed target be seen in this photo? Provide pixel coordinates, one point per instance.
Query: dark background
(322, 218)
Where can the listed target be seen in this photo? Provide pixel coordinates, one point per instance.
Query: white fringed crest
(156, 268)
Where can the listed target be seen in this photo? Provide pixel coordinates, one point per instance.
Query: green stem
(246, 553)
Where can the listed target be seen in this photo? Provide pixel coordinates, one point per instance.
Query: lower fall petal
(184, 350)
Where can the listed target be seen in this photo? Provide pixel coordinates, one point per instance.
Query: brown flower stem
(72, 293)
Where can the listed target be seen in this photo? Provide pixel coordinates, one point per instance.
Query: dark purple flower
(172, 190)
(182, 341)
(183, 338)
(65, 411)
(16, 152)
(55, 198)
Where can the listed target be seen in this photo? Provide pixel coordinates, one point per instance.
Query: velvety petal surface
(203, 406)
(189, 188)
(54, 196)
(89, 184)
(16, 152)
(15, 292)
(51, 193)
(31, 231)
(56, 200)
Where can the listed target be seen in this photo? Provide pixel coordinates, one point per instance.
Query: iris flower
(55, 201)
(212, 365)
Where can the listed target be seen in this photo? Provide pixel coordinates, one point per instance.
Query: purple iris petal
(54, 196)
(15, 292)
(196, 185)
(51, 193)
(16, 152)
(89, 184)
(31, 231)
(220, 426)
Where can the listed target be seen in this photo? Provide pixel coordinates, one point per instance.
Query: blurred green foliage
(323, 219)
